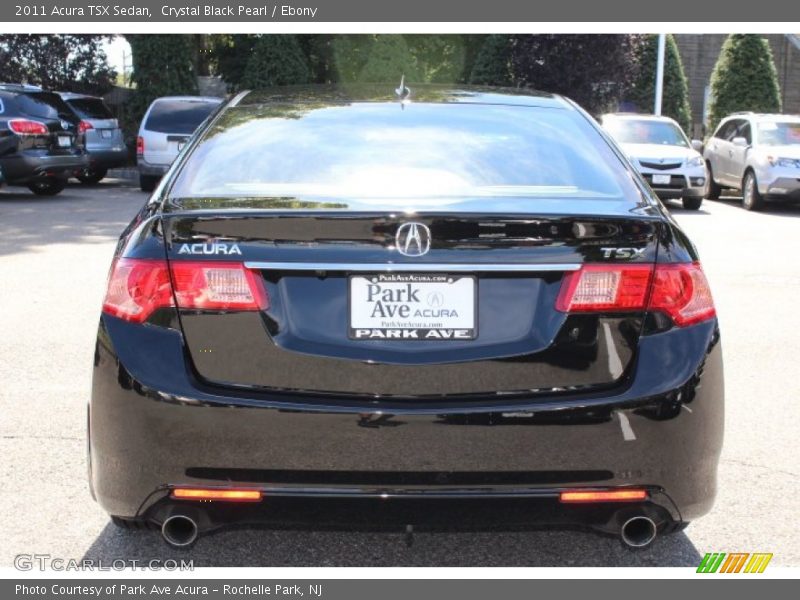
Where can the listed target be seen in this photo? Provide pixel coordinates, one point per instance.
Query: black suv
(40, 140)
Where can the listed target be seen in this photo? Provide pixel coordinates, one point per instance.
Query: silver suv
(663, 155)
(102, 134)
(758, 154)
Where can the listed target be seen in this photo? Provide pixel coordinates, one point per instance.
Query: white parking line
(625, 425)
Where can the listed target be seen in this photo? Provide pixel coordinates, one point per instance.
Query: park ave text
(172, 11)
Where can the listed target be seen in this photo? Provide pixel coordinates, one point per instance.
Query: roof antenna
(403, 92)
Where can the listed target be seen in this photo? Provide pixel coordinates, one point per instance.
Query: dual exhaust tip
(638, 531)
(180, 531)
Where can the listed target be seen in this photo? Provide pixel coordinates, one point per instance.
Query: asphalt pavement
(54, 257)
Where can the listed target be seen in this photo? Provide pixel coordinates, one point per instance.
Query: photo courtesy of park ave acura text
(347, 299)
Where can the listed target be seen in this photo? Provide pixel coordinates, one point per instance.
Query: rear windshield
(90, 108)
(44, 105)
(424, 150)
(178, 116)
(775, 133)
(643, 131)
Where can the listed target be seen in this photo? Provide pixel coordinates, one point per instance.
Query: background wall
(699, 53)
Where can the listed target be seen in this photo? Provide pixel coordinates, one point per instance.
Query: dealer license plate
(408, 306)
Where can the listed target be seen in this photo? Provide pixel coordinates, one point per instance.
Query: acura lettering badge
(413, 239)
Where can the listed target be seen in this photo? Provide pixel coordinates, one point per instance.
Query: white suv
(758, 154)
(661, 152)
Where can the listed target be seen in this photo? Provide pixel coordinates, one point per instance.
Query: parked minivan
(166, 127)
(103, 136)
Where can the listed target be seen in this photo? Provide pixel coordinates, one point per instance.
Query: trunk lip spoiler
(411, 267)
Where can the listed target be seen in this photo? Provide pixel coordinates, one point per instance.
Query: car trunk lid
(316, 265)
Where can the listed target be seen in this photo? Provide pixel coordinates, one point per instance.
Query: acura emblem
(413, 239)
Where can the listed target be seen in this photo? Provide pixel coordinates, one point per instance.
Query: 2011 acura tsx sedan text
(432, 307)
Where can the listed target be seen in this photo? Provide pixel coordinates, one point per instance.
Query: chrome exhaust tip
(179, 531)
(638, 532)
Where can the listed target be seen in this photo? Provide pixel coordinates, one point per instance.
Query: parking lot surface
(54, 256)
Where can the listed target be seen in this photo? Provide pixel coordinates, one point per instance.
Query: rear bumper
(152, 426)
(29, 166)
(108, 159)
(151, 169)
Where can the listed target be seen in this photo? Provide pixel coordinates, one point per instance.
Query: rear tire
(692, 203)
(91, 176)
(147, 183)
(47, 187)
(751, 197)
(713, 191)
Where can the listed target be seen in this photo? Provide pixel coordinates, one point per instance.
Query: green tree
(163, 65)
(229, 56)
(594, 70)
(350, 53)
(422, 58)
(493, 63)
(744, 78)
(318, 49)
(277, 59)
(388, 60)
(75, 63)
(438, 58)
(675, 99)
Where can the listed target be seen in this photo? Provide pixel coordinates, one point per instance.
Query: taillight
(140, 146)
(682, 292)
(84, 126)
(679, 290)
(217, 286)
(26, 127)
(596, 288)
(137, 287)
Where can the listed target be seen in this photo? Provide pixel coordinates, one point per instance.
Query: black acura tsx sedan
(361, 306)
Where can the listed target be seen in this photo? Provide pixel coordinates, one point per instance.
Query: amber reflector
(226, 495)
(604, 496)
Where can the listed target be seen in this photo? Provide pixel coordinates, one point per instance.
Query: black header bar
(439, 11)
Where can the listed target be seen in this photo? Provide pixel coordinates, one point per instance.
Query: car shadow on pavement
(279, 548)
(79, 214)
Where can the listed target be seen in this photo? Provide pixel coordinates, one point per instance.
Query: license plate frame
(106, 134)
(432, 295)
(659, 179)
(64, 141)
